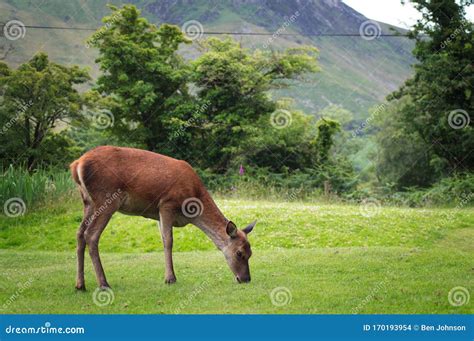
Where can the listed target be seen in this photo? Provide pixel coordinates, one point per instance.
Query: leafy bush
(453, 191)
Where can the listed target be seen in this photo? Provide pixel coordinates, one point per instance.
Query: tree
(280, 149)
(404, 159)
(337, 113)
(142, 72)
(326, 130)
(234, 82)
(439, 98)
(36, 98)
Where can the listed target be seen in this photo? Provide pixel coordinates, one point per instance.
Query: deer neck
(212, 222)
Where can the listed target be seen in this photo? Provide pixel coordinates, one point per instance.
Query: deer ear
(231, 229)
(249, 227)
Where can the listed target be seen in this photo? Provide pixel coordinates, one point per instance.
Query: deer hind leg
(81, 242)
(100, 219)
(166, 229)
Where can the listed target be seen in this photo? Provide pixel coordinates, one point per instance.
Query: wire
(225, 33)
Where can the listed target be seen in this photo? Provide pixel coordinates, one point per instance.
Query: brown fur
(151, 185)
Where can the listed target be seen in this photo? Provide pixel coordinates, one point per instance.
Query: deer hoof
(170, 280)
(81, 287)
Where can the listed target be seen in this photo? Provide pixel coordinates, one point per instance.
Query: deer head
(237, 251)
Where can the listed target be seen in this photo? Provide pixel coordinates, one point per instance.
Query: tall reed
(33, 188)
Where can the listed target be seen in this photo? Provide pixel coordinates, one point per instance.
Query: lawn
(307, 258)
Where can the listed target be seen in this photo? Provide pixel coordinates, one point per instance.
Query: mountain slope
(356, 73)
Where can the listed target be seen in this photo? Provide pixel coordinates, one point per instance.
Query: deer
(143, 183)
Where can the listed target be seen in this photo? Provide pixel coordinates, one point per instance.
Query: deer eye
(239, 254)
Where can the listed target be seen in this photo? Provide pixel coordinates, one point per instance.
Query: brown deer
(143, 183)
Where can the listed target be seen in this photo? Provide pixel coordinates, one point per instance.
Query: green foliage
(454, 191)
(437, 101)
(337, 113)
(142, 73)
(326, 130)
(404, 159)
(234, 82)
(38, 97)
(226, 120)
(280, 150)
(34, 188)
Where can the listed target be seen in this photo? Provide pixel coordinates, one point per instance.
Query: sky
(392, 11)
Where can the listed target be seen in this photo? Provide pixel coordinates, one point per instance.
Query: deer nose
(242, 280)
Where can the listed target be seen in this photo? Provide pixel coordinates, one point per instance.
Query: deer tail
(75, 175)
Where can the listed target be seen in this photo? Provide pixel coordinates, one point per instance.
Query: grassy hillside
(356, 73)
(307, 258)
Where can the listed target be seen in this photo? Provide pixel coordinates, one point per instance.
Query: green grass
(329, 257)
(41, 185)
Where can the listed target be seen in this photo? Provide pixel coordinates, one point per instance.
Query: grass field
(307, 258)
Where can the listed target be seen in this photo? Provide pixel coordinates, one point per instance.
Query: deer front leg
(166, 229)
